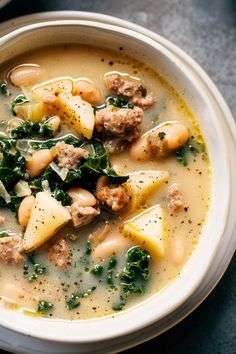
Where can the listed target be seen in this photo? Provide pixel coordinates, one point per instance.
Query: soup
(104, 182)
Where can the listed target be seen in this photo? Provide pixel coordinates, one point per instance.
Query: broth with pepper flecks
(131, 145)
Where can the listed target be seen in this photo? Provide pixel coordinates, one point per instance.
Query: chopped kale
(37, 268)
(44, 307)
(74, 302)
(97, 270)
(186, 149)
(4, 90)
(119, 102)
(11, 167)
(31, 130)
(110, 271)
(5, 233)
(136, 272)
(18, 100)
(99, 163)
(62, 196)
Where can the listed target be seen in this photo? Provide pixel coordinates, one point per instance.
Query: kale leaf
(134, 278)
(74, 302)
(18, 100)
(4, 90)
(31, 130)
(119, 102)
(12, 168)
(44, 307)
(183, 152)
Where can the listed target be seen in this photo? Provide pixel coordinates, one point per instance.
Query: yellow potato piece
(77, 113)
(148, 230)
(47, 216)
(32, 111)
(52, 87)
(141, 184)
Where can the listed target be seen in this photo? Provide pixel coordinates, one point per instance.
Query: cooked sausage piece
(119, 122)
(175, 197)
(59, 254)
(69, 156)
(130, 89)
(115, 196)
(81, 215)
(11, 250)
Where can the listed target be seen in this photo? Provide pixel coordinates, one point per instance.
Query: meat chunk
(119, 122)
(59, 254)
(175, 197)
(69, 156)
(2, 219)
(130, 89)
(82, 215)
(11, 250)
(115, 196)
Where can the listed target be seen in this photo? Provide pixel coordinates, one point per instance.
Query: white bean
(82, 196)
(54, 123)
(109, 247)
(26, 75)
(88, 92)
(39, 162)
(25, 210)
(101, 182)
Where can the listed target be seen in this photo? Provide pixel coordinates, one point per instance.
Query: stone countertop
(207, 31)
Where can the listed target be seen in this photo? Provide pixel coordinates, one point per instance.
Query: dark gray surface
(205, 29)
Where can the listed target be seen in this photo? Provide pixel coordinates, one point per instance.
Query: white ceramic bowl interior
(168, 306)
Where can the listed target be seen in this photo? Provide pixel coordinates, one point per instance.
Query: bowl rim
(189, 62)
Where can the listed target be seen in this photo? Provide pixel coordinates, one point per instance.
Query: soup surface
(104, 182)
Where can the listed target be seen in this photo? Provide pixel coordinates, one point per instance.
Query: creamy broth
(182, 227)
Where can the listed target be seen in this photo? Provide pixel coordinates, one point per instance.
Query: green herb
(38, 269)
(62, 196)
(5, 233)
(11, 167)
(99, 164)
(136, 272)
(97, 270)
(44, 306)
(74, 302)
(161, 135)
(31, 130)
(110, 271)
(119, 306)
(183, 152)
(4, 90)
(119, 102)
(18, 100)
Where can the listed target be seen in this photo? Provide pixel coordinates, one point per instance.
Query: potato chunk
(52, 87)
(141, 184)
(77, 113)
(148, 229)
(47, 216)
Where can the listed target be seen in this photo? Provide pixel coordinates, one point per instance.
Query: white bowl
(216, 244)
